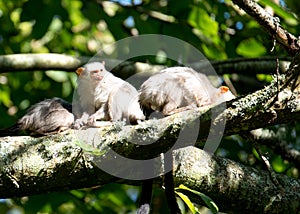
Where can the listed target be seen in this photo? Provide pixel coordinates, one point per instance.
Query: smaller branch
(23, 62)
(250, 137)
(271, 25)
(270, 139)
(252, 66)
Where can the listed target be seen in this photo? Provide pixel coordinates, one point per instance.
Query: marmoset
(47, 117)
(170, 91)
(175, 88)
(104, 97)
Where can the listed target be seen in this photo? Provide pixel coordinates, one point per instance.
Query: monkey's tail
(11, 131)
(169, 185)
(145, 201)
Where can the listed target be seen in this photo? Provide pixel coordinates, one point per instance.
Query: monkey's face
(94, 72)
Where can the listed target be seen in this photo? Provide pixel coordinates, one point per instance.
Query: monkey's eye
(94, 71)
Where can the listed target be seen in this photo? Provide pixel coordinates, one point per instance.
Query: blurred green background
(81, 28)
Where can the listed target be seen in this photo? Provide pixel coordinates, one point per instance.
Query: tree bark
(234, 187)
(38, 165)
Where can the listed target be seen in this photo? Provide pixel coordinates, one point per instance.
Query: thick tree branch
(32, 62)
(235, 187)
(271, 25)
(36, 165)
(244, 114)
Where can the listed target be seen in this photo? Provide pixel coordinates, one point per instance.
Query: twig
(250, 137)
(271, 25)
(270, 139)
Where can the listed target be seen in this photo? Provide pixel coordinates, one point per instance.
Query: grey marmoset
(46, 117)
(104, 97)
(177, 88)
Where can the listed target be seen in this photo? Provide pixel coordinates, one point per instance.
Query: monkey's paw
(94, 121)
(81, 121)
(78, 124)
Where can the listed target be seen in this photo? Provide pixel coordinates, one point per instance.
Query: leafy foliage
(207, 200)
(76, 27)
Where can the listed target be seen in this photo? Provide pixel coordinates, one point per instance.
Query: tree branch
(32, 62)
(36, 165)
(235, 187)
(273, 141)
(271, 25)
(24, 62)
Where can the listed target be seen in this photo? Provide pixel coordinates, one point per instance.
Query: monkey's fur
(104, 97)
(47, 117)
(176, 88)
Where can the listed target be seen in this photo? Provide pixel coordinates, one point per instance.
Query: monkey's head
(222, 94)
(94, 72)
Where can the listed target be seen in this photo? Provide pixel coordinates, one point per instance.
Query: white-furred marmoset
(178, 88)
(170, 91)
(46, 117)
(104, 97)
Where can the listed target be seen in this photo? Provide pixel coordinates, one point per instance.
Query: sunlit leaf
(279, 165)
(58, 76)
(264, 77)
(200, 19)
(187, 201)
(207, 200)
(5, 98)
(250, 48)
(213, 52)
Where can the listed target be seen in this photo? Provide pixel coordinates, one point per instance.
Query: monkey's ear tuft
(224, 89)
(79, 71)
(103, 62)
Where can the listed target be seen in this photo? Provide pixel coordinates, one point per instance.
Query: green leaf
(58, 76)
(279, 165)
(250, 48)
(187, 201)
(207, 200)
(43, 14)
(5, 97)
(200, 19)
(264, 77)
(213, 52)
